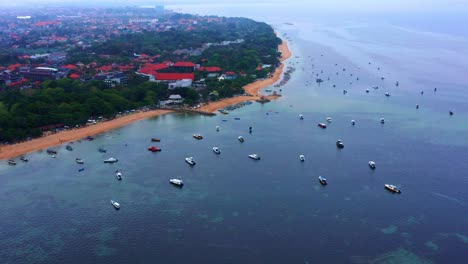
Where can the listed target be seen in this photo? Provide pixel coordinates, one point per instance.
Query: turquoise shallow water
(236, 210)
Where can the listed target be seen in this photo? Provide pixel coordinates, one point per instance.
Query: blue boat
(82, 169)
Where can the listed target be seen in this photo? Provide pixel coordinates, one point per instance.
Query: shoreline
(252, 89)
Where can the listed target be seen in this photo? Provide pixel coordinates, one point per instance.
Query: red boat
(322, 125)
(154, 149)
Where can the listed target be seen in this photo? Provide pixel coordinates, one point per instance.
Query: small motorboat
(372, 164)
(115, 204)
(11, 162)
(301, 117)
(301, 158)
(322, 125)
(89, 138)
(216, 150)
(79, 161)
(382, 121)
(392, 188)
(102, 150)
(236, 118)
(417, 106)
(118, 175)
(154, 149)
(422, 92)
(69, 148)
(353, 122)
(217, 128)
(375, 87)
(329, 119)
(451, 113)
(197, 136)
(111, 160)
(81, 169)
(345, 92)
(190, 161)
(387, 94)
(240, 138)
(24, 159)
(250, 130)
(339, 144)
(367, 90)
(51, 151)
(177, 182)
(54, 156)
(322, 180)
(254, 156)
(156, 140)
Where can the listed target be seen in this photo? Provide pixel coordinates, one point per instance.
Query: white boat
(301, 117)
(372, 164)
(322, 180)
(79, 161)
(111, 160)
(387, 94)
(329, 119)
(240, 138)
(301, 158)
(190, 161)
(217, 128)
(11, 162)
(53, 156)
(216, 150)
(115, 204)
(254, 156)
(353, 122)
(382, 120)
(118, 175)
(177, 182)
(392, 188)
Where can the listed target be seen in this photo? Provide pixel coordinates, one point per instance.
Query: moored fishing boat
(11, 162)
(216, 150)
(197, 136)
(118, 175)
(322, 125)
(339, 144)
(115, 204)
(301, 157)
(190, 161)
(79, 161)
(111, 160)
(392, 188)
(323, 180)
(254, 156)
(240, 138)
(156, 140)
(372, 164)
(154, 149)
(177, 182)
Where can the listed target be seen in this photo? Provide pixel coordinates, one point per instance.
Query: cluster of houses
(64, 30)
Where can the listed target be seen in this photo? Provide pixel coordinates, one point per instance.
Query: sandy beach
(253, 91)
(9, 151)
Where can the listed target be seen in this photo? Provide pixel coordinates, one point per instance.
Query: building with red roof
(174, 76)
(70, 66)
(210, 69)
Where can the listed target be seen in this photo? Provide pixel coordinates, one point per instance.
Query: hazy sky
(338, 5)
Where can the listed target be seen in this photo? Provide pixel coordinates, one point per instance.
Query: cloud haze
(327, 5)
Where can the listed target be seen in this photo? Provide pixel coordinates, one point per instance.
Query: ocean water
(236, 210)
